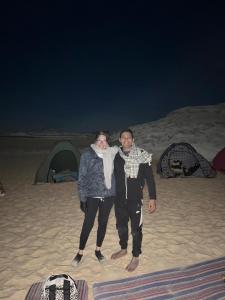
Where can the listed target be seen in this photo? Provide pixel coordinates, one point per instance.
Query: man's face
(126, 140)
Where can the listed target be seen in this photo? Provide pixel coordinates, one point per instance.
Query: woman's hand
(83, 207)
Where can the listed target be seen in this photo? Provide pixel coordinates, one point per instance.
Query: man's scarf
(135, 157)
(108, 156)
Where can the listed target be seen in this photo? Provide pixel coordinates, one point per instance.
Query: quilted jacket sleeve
(82, 180)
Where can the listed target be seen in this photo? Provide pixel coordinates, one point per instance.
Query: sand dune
(201, 126)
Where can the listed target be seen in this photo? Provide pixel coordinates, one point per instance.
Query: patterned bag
(59, 287)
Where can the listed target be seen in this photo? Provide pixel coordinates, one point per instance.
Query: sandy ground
(40, 227)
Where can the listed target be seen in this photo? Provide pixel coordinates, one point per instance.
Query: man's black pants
(125, 210)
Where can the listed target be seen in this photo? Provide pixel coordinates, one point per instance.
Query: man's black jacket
(134, 186)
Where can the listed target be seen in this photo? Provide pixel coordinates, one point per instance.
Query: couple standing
(112, 175)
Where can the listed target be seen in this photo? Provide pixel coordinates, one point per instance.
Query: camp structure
(2, 190)
(61, 164)
(182, 160)
(219, 161)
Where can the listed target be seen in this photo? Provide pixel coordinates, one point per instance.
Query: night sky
(89, 65)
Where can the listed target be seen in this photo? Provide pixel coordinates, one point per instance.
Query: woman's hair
(127, 130)
(98, 133)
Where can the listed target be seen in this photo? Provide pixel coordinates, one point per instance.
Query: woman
(96, 186)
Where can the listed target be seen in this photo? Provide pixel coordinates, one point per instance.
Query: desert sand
(40, 225)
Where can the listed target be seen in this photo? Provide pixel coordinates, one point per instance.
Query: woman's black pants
(103, 206)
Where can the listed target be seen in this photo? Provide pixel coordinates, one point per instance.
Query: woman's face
(101, 142)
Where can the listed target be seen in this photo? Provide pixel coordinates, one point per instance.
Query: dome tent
(181, 159)
(61, 164)
(219, 161)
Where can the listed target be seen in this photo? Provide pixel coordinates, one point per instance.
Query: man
(132, 166)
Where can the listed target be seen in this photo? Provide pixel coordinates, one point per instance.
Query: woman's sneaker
(99, 255)
(77, 259)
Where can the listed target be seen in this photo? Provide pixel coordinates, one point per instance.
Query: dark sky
(90, 65)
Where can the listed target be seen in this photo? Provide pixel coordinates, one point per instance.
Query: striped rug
(197, 282)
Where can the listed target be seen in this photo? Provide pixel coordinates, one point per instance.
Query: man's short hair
(127, 130)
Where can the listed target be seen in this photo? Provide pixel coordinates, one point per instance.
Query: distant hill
(201, 126)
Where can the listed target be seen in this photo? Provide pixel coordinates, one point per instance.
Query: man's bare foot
(119, 254)
(133, 264)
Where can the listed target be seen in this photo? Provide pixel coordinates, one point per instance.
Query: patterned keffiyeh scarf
(135, 157)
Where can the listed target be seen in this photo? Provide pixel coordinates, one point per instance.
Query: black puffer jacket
(91, 182)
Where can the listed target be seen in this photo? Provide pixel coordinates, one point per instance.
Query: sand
(40, 226)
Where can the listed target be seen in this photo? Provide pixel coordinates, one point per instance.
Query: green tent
(61, 164)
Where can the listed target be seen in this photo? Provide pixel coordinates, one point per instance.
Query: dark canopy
(64, 158)
(181, 159)
(219, 161)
